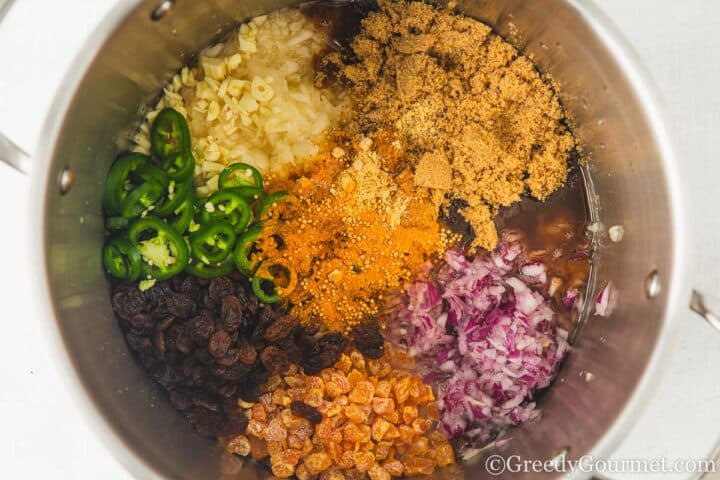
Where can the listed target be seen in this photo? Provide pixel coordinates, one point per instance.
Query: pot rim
(42, 188)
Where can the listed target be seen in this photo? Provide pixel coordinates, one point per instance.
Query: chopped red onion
(607, 300)
(486, 338)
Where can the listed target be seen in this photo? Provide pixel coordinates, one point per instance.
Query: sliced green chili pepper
(123, 177)
(201, 270)
(269, 201)
(180, 219)
(180, 166)
(169, 134)
(164, 252)
(116, 223)
(228, 207)
(273, 280)
(121, 259)
(139, 199)
(213, 243)
(243, 249)
(250, 194)
(177, 192)
(240, 175)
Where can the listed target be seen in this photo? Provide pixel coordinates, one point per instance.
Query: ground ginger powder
(474, 118)
(351, 232)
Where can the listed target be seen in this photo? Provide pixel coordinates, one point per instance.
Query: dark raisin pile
(210, 343)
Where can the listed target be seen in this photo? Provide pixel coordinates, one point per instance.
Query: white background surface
(42, 435)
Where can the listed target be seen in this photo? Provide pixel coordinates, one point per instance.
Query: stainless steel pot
(137, 48)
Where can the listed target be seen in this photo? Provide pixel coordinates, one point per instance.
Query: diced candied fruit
(420, 425)
(409, 413)
(383, 389)
(342, 400)
(362, 393)
(394, 468)
(337, 384)
(239, 445)
(352, 433)
(357, 413)
(380, 428)
(290, 456)
(358, 360)
(332, 475)
(354, 377)
(302, 473)
(295, 442)
(378, 473)
(402, 390)
(294, 381)
(416, 386)
(426, 394)
(326, 431)
(282, 470)
(314, 382)
(317, 462)
(344, 364)
(420, 446)
(382, 450)
(275, 448)
(257, 412)
(392, 433)
(444, 455)
(379, 368)
(258, 447)
(406, 433)
(256, 428)
(418, 466)
(314, 397)
(363, 461)
(298, 393)
(347, 460)
(275, 431)
(381, 406)
(280, 397)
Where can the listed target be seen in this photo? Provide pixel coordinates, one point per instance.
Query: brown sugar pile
(351, 232)
(474, 118)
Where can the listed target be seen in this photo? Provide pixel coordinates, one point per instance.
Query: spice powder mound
(475, 118)
(351, 232)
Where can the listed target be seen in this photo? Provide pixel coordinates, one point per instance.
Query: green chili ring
(199, 269)
(164, 254)
(139, 199)
(250, 194)
(272, 272)
(228, 207)
(122, 259)
(243, 249)
(213, 243)
(180, 166)
(270, 201)
(244, 176)
(180, 219)
(169, 134)
(117, 177)
(181, 190)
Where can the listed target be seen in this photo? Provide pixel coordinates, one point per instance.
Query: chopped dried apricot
(301, 472)
(418, 466)
(394, 468)
(380, 428)
(239, 445)
(364, 461)
(420, 446)
(402, 390)
(378, 473)
(256, 428)
(358, 360)
(257, 412)
(314, 397)
(275, 448)
(275, 431)
(409, 413)
(344, 364)
(357, 413)
(294, 381)
(382, 450)
(383, 389)
(352, 433)
(354, 377)
(444, 455)
(406, 433)
(317, 462)
(347, 460)
(381, 406)
(420, 425)
(332, 475)
(392, 417)
(362, 393)
(282, 470)
(379, 368)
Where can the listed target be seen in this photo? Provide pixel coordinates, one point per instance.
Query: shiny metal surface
(124, 65)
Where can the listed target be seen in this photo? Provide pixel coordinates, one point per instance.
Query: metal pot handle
(10, 153)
